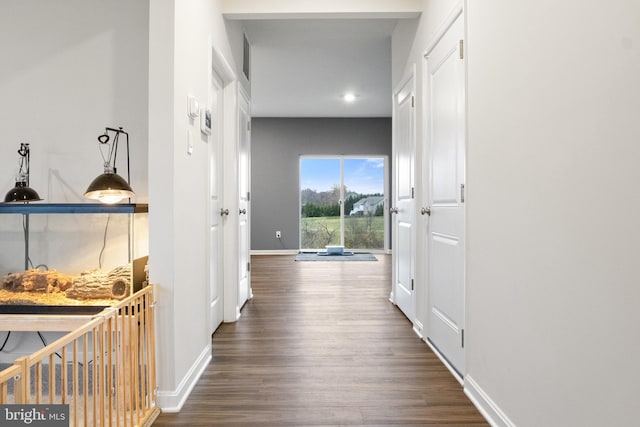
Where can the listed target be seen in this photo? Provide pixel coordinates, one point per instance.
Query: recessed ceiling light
(349, 97)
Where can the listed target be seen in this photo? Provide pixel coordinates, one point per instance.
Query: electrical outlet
(278, 235)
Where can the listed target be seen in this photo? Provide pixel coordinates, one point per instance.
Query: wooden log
(97, 284)
(34, 280)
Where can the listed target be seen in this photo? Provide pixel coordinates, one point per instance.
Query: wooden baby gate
(104, 370)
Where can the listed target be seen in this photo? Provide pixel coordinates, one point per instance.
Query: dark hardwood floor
(321, 345)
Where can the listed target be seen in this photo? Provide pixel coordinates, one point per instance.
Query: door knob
(243, 211)
(224, 212)
(393, 210)
(425, 211)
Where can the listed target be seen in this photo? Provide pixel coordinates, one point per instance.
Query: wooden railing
(104, 370)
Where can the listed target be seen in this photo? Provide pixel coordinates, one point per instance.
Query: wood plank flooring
(321, 345)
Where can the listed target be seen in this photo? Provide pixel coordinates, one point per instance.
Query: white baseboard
(296, 251)
(172, 401)
(275, 252)
(417, 328)
(487, 407)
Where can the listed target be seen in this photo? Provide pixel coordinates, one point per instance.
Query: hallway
(320, 344)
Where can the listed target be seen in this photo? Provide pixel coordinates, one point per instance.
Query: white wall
(69, 69)
(552, 289)
(180, 65)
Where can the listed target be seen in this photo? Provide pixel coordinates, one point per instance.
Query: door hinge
(462, 334)
(411, 284)
(248, 266)
(248, 196)
(413, 101)
(413, 192)
(461, 49)
(248, 125)
(461, 193)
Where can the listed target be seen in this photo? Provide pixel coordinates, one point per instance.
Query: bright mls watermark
(34, 415)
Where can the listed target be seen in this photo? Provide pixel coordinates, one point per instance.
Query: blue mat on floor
(346, 256)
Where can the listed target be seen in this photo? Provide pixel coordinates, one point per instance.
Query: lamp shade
(109, 188)
(21, 193)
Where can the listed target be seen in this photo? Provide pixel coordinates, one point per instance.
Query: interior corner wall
(161, 186)
(69, 69)
(276, 147)
(552, 210)
(182, 35)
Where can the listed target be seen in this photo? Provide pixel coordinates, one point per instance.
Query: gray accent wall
(276, 147)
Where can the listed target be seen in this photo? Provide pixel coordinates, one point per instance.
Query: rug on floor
(347, 256)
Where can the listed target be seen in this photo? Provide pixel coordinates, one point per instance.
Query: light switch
(193, 109)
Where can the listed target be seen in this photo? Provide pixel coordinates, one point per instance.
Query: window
(343, 202)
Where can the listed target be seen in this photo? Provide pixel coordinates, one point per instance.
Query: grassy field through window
(361, 232)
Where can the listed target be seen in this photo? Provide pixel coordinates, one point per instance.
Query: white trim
(446, 363)
(246, 16)
(263, 252)
(275, 252)
(172, 401)
(487, 407)
(456, 11)
(418, 327)
(220, 65)
(410, 74)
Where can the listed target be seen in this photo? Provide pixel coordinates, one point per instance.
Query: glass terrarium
(71, 258)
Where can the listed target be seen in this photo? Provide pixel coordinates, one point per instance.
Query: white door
(446, 120)
(403, 207)
(244, 179)
(215, 204)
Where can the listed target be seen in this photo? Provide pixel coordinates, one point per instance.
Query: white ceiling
(301, 68)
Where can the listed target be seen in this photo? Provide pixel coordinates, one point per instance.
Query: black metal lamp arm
(114, 148)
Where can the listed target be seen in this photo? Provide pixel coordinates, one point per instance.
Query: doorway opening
(343, 202)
